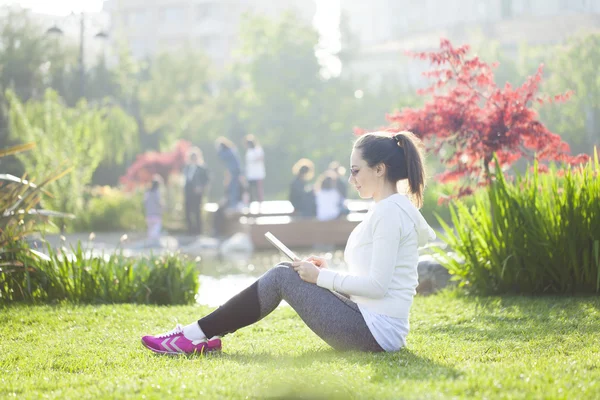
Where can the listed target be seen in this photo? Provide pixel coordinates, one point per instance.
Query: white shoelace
(178, 329)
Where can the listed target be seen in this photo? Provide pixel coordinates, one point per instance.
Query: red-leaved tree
(468, 118)
(153, 162)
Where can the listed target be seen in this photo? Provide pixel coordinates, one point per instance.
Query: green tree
(162, 92)
(569, 67)
(281, 96)
(574, 66)
(23, 52)
(101, 82)
(280, 78)
(30, 61)
(79, 137)
(276, 91)
(21, 55)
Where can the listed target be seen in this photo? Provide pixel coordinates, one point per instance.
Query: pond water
(222, 278)
(216, 291)
(257, 263)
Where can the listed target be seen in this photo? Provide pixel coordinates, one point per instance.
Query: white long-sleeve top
(255, 164)
(382, 257)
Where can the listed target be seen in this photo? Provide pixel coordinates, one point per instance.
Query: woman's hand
(320, 262)
(308, 271)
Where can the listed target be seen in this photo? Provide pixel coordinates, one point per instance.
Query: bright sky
(326, 19)
(58, 7)
(327, 9)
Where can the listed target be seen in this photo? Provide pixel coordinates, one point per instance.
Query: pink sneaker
(174, 342)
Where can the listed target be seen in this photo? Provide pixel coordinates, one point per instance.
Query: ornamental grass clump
(83, 278)
(538, 234)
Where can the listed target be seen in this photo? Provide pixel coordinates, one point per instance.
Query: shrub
(109, 209)
(538, 234)
(435, 204)
(80, 136)
(82, 278)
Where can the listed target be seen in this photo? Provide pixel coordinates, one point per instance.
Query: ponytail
(412, 149)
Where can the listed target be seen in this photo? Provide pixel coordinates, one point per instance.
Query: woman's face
(364, 178)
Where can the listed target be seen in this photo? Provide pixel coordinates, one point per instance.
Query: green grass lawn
(459, 347)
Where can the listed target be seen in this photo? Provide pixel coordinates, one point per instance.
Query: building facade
(386, 29)
(150, 27)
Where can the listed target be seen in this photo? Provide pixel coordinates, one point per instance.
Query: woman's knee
(282, 272)
(277, 277)
(283, 269)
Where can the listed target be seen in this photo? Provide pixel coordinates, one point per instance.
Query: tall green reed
(80, 277)
(538, 234)
(20, 217)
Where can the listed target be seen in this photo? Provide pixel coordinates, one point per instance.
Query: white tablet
(282, 247)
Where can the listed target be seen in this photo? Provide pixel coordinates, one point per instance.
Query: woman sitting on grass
(364, 310)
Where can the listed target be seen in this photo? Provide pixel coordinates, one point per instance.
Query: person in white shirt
(328, 198)
(366, 309)
(255, 168)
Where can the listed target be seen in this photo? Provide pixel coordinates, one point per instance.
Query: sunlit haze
(327, 10)
(326, 21)
(58, 7)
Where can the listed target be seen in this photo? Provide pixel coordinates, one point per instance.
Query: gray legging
(334, 318)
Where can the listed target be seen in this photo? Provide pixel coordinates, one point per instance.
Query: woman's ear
(380, 169)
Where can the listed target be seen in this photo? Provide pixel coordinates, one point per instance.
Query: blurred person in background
(340, 184)
(340, 178)
(255, 168)
(153, 207)
(196, 182)
(228, 154)
(327, 197)
(301, 195)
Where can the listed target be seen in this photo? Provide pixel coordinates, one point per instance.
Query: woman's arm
(386, 231)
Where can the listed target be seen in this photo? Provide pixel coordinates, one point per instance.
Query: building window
(172, 15)
(139, 48)
(137, 18)
(527, 7)
(574, 5)
(208, 43)
(506, 9)
(521, 7)
(206, 11)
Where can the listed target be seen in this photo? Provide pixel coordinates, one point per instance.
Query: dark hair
(195, 152)
(224, 142)
(251, 141)
(304, 168)
(326, 180)
(402, 154)
(156, 181)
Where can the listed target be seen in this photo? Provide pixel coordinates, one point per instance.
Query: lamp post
(55, 30)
